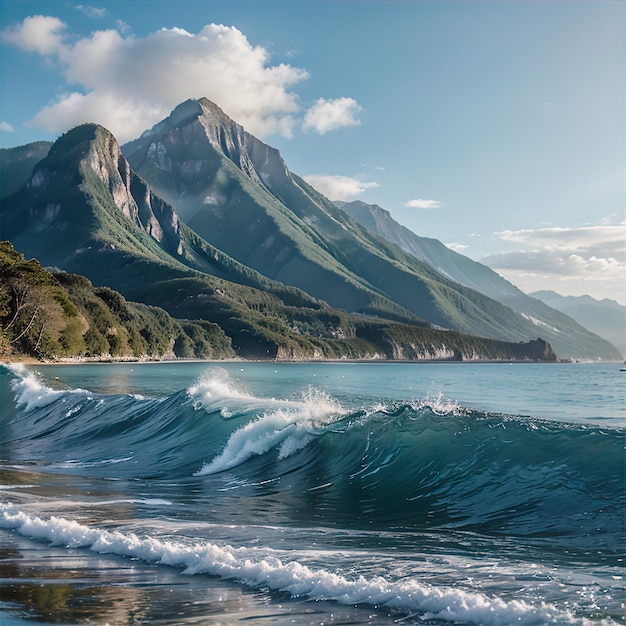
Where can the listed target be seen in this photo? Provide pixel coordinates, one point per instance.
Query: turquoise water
(579, 392)
(378, 493)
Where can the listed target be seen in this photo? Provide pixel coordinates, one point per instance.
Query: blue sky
(496, 127)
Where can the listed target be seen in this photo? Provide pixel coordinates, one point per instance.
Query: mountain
(84, 211)
(567, 333)
(16, 164)
(606, 318)
(238, 194)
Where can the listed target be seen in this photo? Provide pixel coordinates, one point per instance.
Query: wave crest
(289, 427)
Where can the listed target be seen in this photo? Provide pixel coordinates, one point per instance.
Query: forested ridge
(51, 316)
(48, 316)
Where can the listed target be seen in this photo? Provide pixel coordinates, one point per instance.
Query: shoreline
(26, 360)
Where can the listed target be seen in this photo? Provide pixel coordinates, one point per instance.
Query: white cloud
(567, 266)
(457, 247)
(420, 203)
(327, 115)
(37, 33)
(589, 259)
(129, 83)
(90, 11)
(605, 234)
(5, 127)
(344, 188)
(122, 26)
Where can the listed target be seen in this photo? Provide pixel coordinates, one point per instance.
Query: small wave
(30, 392)
(289, 428)
(257, 567)
(75, 463)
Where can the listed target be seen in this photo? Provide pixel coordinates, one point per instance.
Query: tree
(34, 308)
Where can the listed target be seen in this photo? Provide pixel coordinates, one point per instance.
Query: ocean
(312, 493)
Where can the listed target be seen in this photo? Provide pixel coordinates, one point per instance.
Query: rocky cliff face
(257, 160)
(156, 217)
(87, 165)
(131, 195)
(201, 120)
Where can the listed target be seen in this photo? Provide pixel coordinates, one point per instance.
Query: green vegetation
(50, 316)
(237, 194)
(35, 312)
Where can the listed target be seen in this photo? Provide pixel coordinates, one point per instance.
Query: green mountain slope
(16, 164)
(567, 333)
(237, 193)
(84, 210)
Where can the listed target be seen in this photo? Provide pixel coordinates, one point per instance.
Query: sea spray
(289, 427)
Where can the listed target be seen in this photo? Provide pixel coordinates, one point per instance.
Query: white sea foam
(31, 393)
(288, 426)
(258, 567)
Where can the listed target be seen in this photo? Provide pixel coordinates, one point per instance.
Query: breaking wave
(412, 465)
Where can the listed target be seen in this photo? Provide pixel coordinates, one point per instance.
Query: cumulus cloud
(588, 259)
(343, 188)
(420, 203)
(5, 127)
(327, 115)
(38, 33)
(90, 11)
(129, 83)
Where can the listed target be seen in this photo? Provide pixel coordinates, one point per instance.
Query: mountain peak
(188, 112)
(181, 115)
(209, 107)
(188, 129)
(86, 179)
(74, 144)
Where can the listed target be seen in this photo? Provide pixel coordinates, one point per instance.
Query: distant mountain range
(201, 218)
(564, 325)
(606, 318)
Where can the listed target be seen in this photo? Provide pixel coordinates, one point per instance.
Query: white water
(280, 571)
(289, 427)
